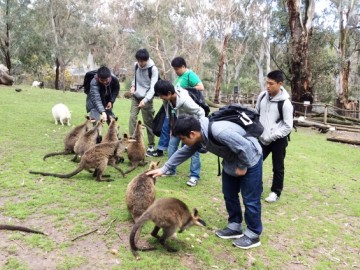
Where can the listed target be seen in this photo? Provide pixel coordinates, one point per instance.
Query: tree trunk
(57, 73)
(299, 45)
(221, 68)
(5, 41)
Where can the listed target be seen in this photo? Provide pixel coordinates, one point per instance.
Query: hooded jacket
(270, 116)
(100, 94)
(236, 150)
(144, 88)
(184, 104)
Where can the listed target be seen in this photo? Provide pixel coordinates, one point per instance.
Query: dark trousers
(250, 186)
(278, 150)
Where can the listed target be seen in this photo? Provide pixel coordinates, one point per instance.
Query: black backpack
(244, 116)
(199, 99)
(87, 80)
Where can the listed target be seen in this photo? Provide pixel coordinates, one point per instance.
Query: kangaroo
(18, 228)
(136, 149)
(140, 192)
(71, 138)
(169, 214)
(87, 140)
(96, 158)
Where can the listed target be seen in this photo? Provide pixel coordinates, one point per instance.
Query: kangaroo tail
(18, 228)
(133, 239)
(78, 169)
(66, 152)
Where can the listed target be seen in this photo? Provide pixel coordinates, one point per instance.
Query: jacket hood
(282, 95)
(149, 63)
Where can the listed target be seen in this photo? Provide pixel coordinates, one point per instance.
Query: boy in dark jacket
(104, 88)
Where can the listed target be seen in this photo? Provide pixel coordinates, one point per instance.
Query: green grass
(315, 225)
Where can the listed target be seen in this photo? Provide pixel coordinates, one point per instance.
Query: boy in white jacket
(274, 139)
(177, 102)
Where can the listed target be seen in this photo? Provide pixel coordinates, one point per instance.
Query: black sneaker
(157, 153)
(245, 242)
(228, 233)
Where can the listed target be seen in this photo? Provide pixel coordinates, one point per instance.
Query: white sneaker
(192, 181)
(273, 197)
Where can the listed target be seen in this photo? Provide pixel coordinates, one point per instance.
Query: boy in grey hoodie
(242, 172)
(142, 91)
(276, 130)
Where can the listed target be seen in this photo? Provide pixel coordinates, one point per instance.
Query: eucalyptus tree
(301, 14)
(14, 25)
(349, 24)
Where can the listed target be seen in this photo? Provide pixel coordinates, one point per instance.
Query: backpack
(244, 116)
(199, 99)
(87, 80)
(149, 73)
(281, 116)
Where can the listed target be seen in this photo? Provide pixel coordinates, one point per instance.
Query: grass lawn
(315, 225)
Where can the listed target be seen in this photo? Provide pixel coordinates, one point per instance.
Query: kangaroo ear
(157, 164)
(196, 213)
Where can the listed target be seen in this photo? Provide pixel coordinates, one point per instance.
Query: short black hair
(276, 75)
(163, 87)
(104, 72)
(184, 124)
(178, 62)
(142, 54)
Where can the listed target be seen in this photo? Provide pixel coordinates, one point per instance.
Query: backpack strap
(211, 138)
(136, 68)
(280, 109)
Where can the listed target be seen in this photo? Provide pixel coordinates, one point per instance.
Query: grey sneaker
(228, 233)
(192, 181)
(168, 173)
(246, 242)
(273, 197)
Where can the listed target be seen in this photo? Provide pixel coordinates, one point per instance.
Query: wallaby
(96, 158)
(88, 140)
(136, 149)
(169, 214)
(140, 192)
(18, 228)
(71, 138)
(112, 135)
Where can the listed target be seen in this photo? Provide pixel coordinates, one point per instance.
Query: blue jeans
(250, 186)
(195, 164)
(165, 135)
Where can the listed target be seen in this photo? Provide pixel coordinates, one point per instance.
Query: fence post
(325, 114)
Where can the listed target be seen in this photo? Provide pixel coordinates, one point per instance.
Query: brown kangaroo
(169, 214)
(96, 158)
(71, 138)
(18, 228)
(136, 149)
(140, 192)
(87, 140)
